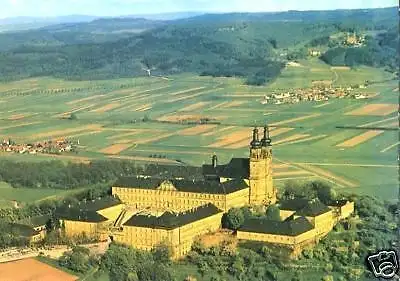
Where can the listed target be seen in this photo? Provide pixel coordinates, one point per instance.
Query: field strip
(147, 159)
(280, 166)
(304, 140)
(296, 119)
(380, 121)
(136, 98)
(390, 146)
(360, 138)
(217, 106)
(291, 138)
(116, 148)
(193, 96)
(139, 93)
(152, 139)
(234, 104)
(21, 125)
(291, 173)
(244, 142)
(321, 105)
(186, 91)
(328, 175)
(106, 107)
(145, 109)
(172, 117)
(196, 130)
(144, 106)
(84, 99)
(380, 109)
(74, 110)
(219, 131)
(297, 178)
(238, 136)
(194, 106)
(175, 151)
(65, 131)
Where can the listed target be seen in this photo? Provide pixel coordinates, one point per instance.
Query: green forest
(231, 45)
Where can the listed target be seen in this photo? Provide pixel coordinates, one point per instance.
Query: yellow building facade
(146, 211)
(175, 230)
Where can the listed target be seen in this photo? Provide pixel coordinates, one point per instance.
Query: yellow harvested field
(16, 117)
(232, 138)
(84, 99)
(218, 131)
(296, 119)
(195, 106)
(246, 141)
(116, 148)
(145, 109)
(32, 270)
(197, 130)
(66, 132)
(374, 109)
(291, 138)
(328, 175)
(360, 138)
(323, 82)
(234, 103)
(340, 68)
(186, 91)
(155, 138)
(106, 107)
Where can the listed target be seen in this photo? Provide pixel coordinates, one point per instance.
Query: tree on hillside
(233, 219)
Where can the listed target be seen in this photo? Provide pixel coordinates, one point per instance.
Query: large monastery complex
(146, 211)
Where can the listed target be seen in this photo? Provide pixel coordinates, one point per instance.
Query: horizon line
(199, 12)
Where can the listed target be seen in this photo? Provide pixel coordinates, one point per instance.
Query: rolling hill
(241, 44)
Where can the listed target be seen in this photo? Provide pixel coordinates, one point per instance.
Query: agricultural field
(141, 119)
(28, 195)
(34, 270)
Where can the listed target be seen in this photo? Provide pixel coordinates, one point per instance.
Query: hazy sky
(12, 8)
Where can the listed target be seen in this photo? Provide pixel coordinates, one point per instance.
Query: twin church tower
(262, 190)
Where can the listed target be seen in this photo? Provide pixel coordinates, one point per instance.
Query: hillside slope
(254, 46)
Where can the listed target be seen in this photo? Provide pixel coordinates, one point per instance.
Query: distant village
(46, 147)
(314, 94)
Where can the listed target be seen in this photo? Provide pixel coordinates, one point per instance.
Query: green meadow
(122, 118)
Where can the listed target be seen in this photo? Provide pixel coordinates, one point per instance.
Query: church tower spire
(261, 184)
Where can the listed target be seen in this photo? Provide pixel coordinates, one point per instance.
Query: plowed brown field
(32, 270)
(360, 139)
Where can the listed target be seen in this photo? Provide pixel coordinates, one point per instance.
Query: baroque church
(147, 210)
